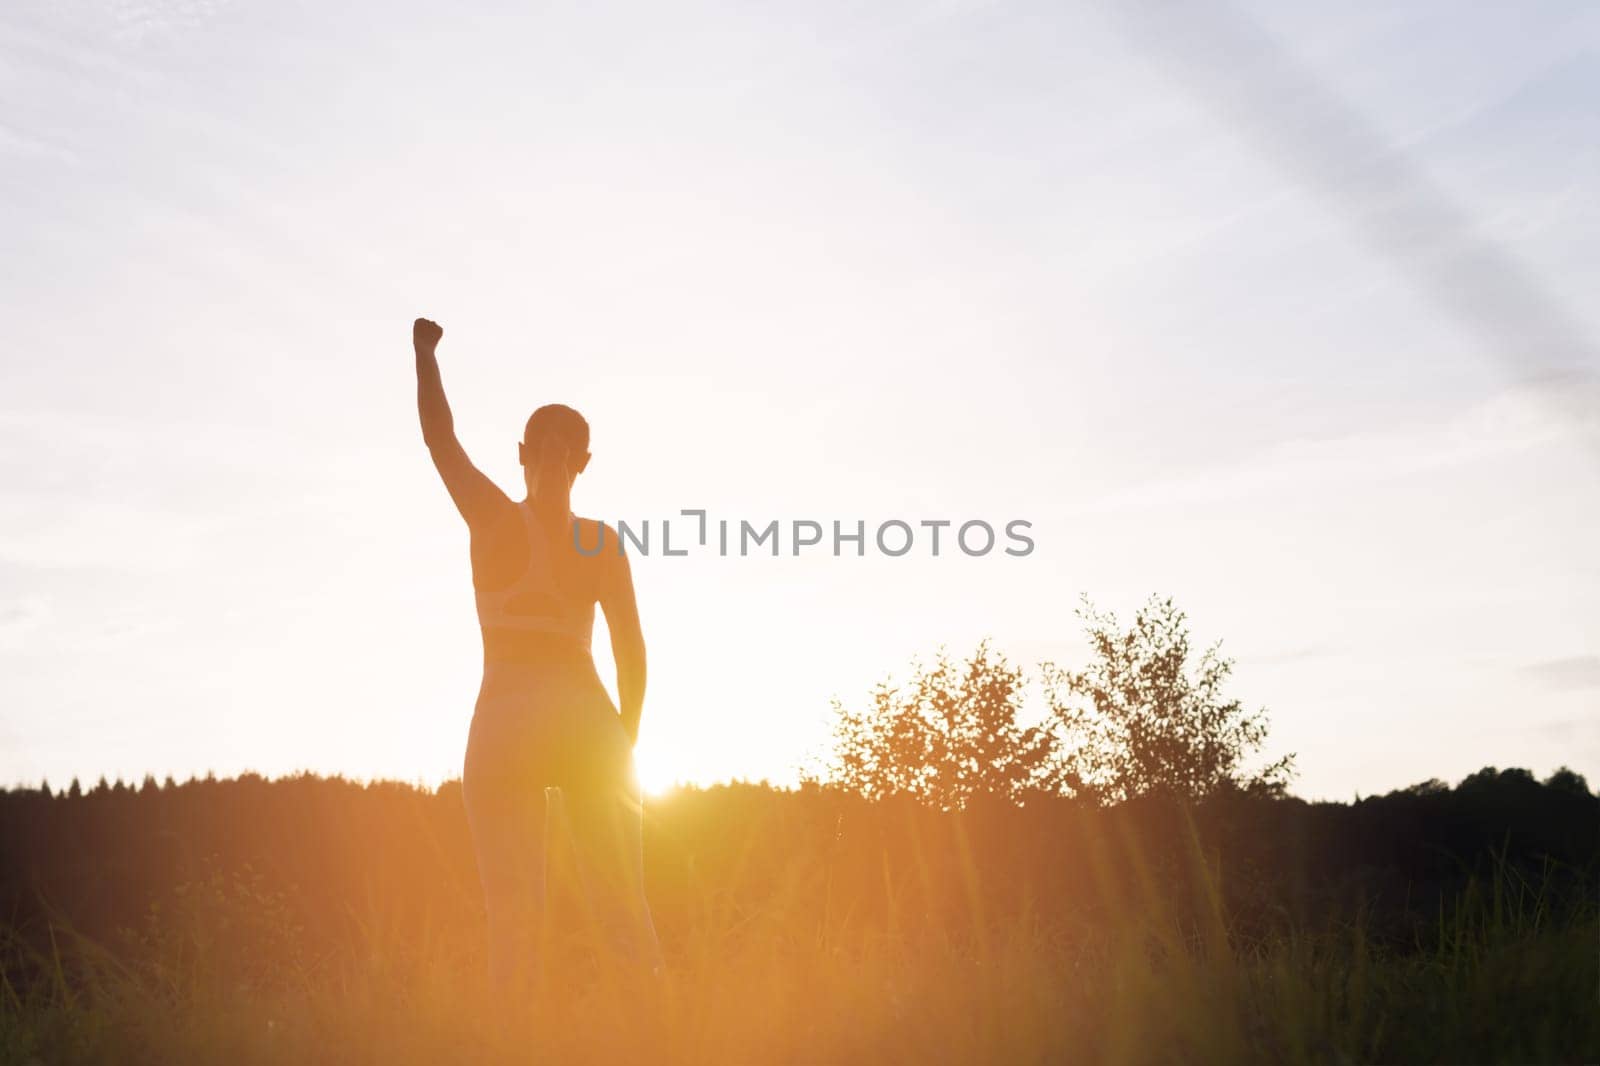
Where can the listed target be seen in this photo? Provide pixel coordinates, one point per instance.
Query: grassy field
(801, 929)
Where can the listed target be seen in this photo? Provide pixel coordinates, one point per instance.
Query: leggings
(552, 725)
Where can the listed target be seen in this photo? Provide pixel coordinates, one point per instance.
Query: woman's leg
(507, 818)
(606, 821)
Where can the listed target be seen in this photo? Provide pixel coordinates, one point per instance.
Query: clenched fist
(425, 334)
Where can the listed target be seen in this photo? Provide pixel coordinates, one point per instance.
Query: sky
(839, 262)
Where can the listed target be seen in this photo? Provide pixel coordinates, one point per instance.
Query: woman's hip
(546, 734)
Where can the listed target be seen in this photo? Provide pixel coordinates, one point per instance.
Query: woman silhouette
(543, 719)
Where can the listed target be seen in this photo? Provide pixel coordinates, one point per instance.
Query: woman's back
(543, 717)
(536, 579)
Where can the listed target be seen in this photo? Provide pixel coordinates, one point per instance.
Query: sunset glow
(908, 265)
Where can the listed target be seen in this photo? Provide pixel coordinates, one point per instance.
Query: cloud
(1552, 410)
(19, 619)
(1292, 656)
(1572, 672)
(136, 20)
(125, 492)
(15, 143)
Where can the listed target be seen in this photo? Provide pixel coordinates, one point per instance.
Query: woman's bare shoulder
(505, 516)
(499, 546)
(594, 537)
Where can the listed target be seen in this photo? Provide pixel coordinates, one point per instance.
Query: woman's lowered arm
(627, 639)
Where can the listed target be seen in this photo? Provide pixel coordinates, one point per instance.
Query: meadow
(311, 919)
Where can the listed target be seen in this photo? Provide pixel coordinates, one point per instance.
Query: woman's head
(555, 424)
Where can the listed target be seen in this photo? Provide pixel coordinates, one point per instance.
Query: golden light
(656, 773)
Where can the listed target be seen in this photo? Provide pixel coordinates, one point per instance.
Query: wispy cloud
(25, 146)
(1291, 656)
(136, 20)
(1526, 416)
(1571, 672)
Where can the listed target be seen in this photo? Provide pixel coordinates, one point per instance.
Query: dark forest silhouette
(335, 853)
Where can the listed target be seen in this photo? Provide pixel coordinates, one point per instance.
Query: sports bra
(531, 603)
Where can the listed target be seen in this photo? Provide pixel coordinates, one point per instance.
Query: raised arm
(627, 638)
(475, 496)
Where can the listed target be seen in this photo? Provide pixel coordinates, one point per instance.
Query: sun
(656, 773)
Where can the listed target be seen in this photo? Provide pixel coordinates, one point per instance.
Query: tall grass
(942, 960)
